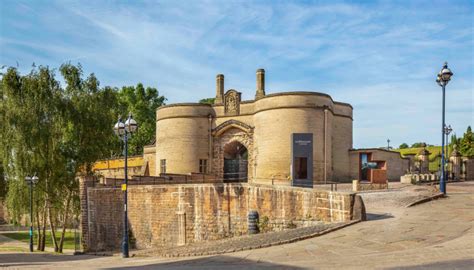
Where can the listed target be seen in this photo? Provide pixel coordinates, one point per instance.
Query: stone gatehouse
(257, 140)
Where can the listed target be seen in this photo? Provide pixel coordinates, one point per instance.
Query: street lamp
(388, 144)
(31, 181)
(447, 131)
(124, 131)
(444, 76)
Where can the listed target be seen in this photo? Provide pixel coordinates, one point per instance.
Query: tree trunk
(66, 215)
(38, 230)
(53, 229)
(43, 235)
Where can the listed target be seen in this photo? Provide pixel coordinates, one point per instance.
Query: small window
(163, 165)
(301, 168)
(203, 166)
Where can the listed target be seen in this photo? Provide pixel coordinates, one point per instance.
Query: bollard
(253, 222)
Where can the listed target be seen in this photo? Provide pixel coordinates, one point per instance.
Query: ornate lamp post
(124, 131)
(444, 76)
(31, 181)
(447, 131)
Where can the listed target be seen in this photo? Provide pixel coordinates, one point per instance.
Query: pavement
(434, 235)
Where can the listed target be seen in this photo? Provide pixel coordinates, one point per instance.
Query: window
(163, 166)
(203, 166)
(301, 167)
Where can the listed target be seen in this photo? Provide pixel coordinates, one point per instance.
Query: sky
(381, 57)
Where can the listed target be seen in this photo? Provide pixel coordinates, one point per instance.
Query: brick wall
(170, 215)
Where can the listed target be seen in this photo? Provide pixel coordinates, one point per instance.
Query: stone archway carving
(228, 132)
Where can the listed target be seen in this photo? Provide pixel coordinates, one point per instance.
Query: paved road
(434, 235)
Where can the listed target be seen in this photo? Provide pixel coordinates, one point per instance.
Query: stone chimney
(260, 84)
(219, 89)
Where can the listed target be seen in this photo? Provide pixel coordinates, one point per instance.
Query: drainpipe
(325, 142)
(209, 165)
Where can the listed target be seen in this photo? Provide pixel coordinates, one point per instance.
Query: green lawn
(434, 152)
(25, 237)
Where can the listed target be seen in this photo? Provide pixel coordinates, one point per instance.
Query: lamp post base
(125, 250)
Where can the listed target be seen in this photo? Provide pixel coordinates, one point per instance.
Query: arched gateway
(233, 151)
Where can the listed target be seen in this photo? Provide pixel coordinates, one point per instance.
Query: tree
(142, 103)
(30, 139)
(403, 146)
(56, 133)
(466, 145)
(88, 117)
(418, 144)
(207, 101)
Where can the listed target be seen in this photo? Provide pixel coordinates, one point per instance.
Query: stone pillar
(456, 164)
(260, 84)
(84, 183)
(219, 89)
(181, 228)
(424, 157)
(355, 185)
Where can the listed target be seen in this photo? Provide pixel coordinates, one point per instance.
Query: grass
(25, 237)
(435, 151)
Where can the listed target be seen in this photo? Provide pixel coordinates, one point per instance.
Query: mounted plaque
(302, 159)
(232, 102)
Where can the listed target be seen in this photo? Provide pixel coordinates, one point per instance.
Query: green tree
(142, 103)
(56, 133)
(31, 139)
(207, 101)
(466, 145)
(418, 144)
(403, 146)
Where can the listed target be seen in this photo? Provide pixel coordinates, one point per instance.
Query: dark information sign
(302, 159)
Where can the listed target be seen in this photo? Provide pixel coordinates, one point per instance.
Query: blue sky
(382, 57)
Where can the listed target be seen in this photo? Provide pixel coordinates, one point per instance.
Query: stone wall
(469, 168)
(115, 168)
(184, 135)
(395, 164)
(170, 215)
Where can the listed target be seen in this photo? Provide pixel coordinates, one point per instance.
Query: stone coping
(292, 93)
(244, 185)
(427, 199)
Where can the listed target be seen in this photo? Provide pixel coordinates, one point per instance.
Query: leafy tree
(418, 144)
(207, 100)
(403, 146)
(466, 146)
(142, 103)
(59, 133)
(31, 138)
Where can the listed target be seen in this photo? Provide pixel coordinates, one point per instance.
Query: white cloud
(380, 57)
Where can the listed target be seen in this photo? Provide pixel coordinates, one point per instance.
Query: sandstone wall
(115, 168)
(395, 164)
(341, 143)
(149, 158)
(182, 137)
(170, 215)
